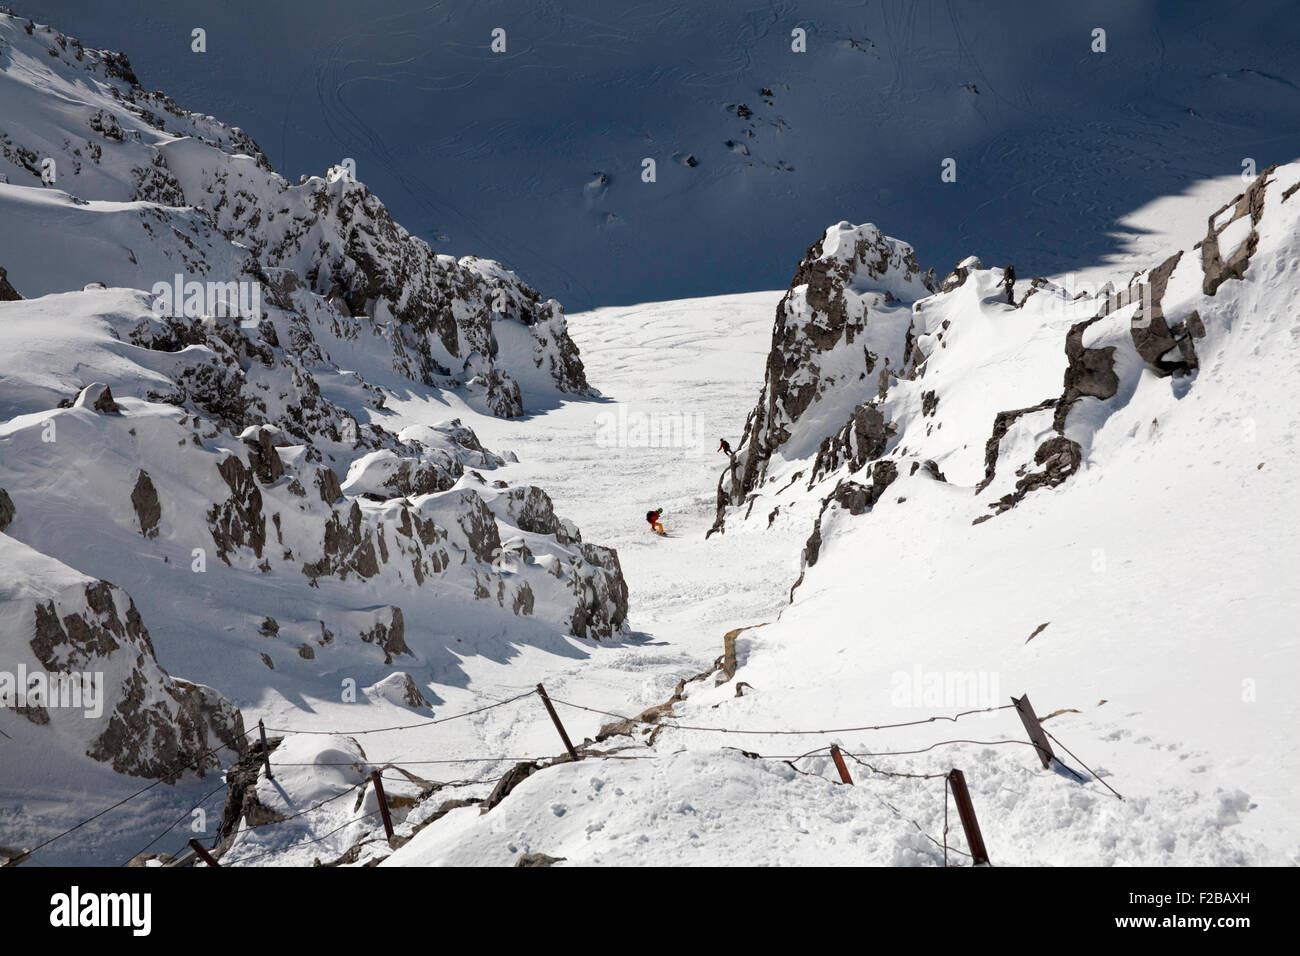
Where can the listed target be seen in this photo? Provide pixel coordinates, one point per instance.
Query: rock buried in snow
(538, 859)
(98, 396)
(399, 688)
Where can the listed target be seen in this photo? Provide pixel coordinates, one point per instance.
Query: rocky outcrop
(848, 309)
(388, 633)
(1165, 343)
(960, 273)
(144, 499)
(105, 685)
(7, 510)
(401, 689)
(862, 439)
(1215, 268)
(99, 397)
(604, 606)
(238, 522)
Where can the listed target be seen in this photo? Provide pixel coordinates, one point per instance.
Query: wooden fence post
(383, 802)
(1035, 730)
(966, 810)
(266, 752)
(839, 765)
(202, 852)
(550, 709)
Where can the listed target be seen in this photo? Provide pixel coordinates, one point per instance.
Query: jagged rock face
(862, 439)
(1001, 424)
(1215, 269)
(1167, 348)
(242, 379)
(438, 316)
(530, 509)
(846, 314)
(263, 459)
(603, 607)
(149, 722)
(238, 521)
(854, 498)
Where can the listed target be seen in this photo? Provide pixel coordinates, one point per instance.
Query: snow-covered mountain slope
(941, 499)
(199, 477)
(1134, 580)
(102, 181)
(532, 154)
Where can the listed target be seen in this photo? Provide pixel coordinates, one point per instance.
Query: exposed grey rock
(144, 498)
(602, 607)
(509, 780)
(539, 859)
(530, 509)
(960, 273)
(153, 723)
(1152, 335)
(825, 310)
(1060, 458)
(389, 633)
(327, 483)
(98, 396)
(862, 439)
(7, 292)
(1250, 203)
(263, 459)
(1001, 424)
(238, 522)
(7, 510)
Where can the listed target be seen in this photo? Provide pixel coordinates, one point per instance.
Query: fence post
(202, 853)
(1035, 730)
(550, 709)
(966, 810)
(839, 765)
(383, 803)
(266, 753)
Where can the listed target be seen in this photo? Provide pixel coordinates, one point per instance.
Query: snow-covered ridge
(857, 389)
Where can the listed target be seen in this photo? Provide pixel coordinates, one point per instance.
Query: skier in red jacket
(653, 518)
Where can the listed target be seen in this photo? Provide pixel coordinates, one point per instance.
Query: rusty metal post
(201, 851)
(966, 810)
(839, 765)
(550, 709)
(1035, 730)
(266, 751)
(383, 802)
